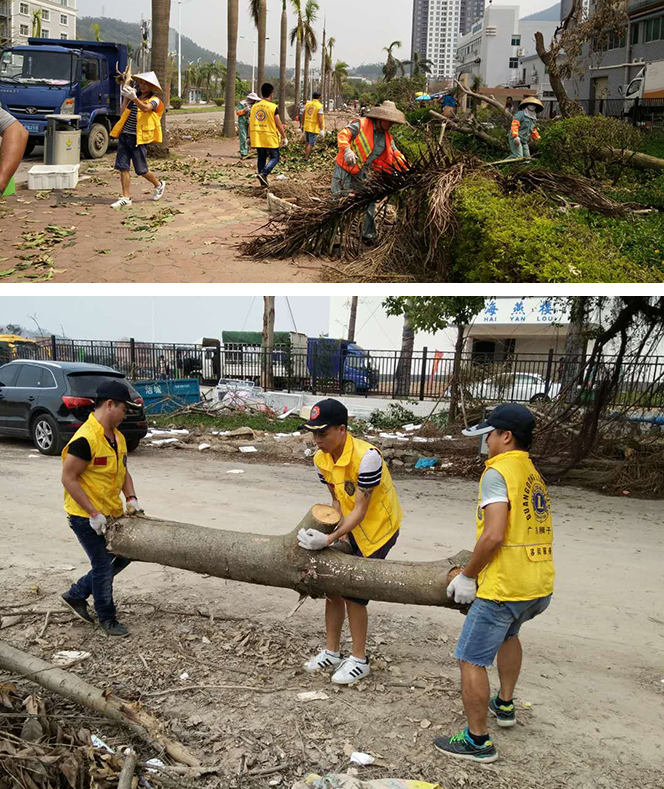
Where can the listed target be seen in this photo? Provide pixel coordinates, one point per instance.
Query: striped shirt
(130, 125)
(371, 470)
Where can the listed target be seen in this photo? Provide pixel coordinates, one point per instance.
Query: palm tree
(37, 23)
(418, 65)
(310, 41)
(231, 68)
(219, 72)
(97, 32)
(339, 75)
(392, 65)
(296, 38)
(283, 56)
(258, 11)
(161, 17)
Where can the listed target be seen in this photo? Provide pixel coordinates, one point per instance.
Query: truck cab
(50, 76)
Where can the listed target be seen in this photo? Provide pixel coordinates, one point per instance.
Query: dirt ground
(212, 201)
(591, 697)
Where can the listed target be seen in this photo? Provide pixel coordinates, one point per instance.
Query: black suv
(49, 401)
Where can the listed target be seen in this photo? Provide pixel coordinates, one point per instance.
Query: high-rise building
(17, 17)
(435, 32)
(469, 12)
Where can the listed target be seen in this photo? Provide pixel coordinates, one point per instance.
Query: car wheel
(132, 445)
(539, 398)
(46, 435)
(348, 387)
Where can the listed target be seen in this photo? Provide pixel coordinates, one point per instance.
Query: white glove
(312, 539)
(133, 507)
(99, 524)
(284, 142)
(462, 589)
(322, 133)
(129, 93)
(350, 158)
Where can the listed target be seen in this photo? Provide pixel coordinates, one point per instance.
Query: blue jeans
(269, 155)
(105, 566)
(490, 623)
(519, 148)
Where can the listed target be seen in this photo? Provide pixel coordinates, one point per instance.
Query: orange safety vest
(363, 145)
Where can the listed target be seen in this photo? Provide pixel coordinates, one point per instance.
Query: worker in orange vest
(365, 145)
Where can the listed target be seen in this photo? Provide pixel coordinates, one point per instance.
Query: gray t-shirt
(6, 120)
(493, 488)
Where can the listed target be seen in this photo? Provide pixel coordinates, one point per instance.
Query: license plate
(32, 127)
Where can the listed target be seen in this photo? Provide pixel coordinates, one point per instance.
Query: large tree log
(131, 715)
(279, 561)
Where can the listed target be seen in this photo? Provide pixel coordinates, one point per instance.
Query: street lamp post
(180, 49)
(253, 62)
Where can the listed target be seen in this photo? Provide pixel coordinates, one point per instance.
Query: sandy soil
(593, 669)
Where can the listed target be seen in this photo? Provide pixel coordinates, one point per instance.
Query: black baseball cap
(326, 413)
(118, 391)
(508, 416)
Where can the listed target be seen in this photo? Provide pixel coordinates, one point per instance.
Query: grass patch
(188, 110)
(230, 422)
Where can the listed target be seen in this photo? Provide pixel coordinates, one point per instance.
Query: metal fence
(324, 369)
(639, 112)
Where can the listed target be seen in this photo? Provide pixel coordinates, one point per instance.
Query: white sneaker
(159, 191)
(123, 202)
(323, 660)
(351, 670)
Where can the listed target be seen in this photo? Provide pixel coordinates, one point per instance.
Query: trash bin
(62, 143)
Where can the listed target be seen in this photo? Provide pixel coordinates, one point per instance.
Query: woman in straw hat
(523, 127)
(139, 125)
(243, 112)
(365, 145)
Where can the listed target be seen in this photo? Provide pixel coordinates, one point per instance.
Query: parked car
(48, 401)
(523, 387)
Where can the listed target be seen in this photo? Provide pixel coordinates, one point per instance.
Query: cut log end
(327, 516)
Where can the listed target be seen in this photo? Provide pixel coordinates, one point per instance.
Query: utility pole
(322, 67)
(268, 340)
(353, 319)
(180, 49)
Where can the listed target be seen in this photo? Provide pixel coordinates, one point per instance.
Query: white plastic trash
(53, 176)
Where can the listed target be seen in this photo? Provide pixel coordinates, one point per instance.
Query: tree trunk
(130, 714)
(353, 319)
(231, 67)
(575, 348)
(403, 372)
(283, 62)
(268, 341)
(323, 94)
(161, 15)
(640, 160)
(298, 71)
(279, 561)
(458, 350)
(262, 24)
(307, 60)
(549, 57)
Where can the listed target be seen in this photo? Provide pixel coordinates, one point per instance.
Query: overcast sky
(361, 27)
(178, 319)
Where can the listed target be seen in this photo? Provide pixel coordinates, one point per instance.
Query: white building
(495, 44)
(442, 31)
(58, 19)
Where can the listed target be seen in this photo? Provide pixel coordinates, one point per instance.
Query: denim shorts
(310, 138)
(129, 152)
(489, 624)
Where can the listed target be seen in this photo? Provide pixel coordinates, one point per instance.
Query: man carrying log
(94, 472)
(363, 493)
(508, 579)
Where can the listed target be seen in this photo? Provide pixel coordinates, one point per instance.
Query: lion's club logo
(260, 115)
(315, 412)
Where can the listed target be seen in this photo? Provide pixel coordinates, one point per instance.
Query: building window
(25, 30)
(46, 33)
(63, 2)
(516, 41)
(634, 34)
(24, 9)
(64, 19)
(46, 15)
(63, 36)
(514, 62)
(652, 29)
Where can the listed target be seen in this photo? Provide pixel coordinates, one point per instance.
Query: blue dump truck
(72, 77)
(341, 365)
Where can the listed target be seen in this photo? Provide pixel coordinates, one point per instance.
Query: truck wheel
(29, 148)
(132, 444)
(95, 144)
(348, 387)
(46, 435)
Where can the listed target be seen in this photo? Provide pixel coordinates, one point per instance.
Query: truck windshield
(36, 67)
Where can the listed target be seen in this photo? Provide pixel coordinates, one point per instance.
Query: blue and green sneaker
(462, 746)
(504, 714)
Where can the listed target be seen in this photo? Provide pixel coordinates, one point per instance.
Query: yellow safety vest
(523, 567)
(384, 514)
(148, 124)
(262, 127)
(105, 474)
(311, 117)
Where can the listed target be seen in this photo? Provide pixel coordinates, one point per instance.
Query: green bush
(395, 415)
(418, 117)
(219, 102)
(522, 238)
(177, 103)
(585, 144)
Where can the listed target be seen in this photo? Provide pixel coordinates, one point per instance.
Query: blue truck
(73, 77)
(341, 364)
